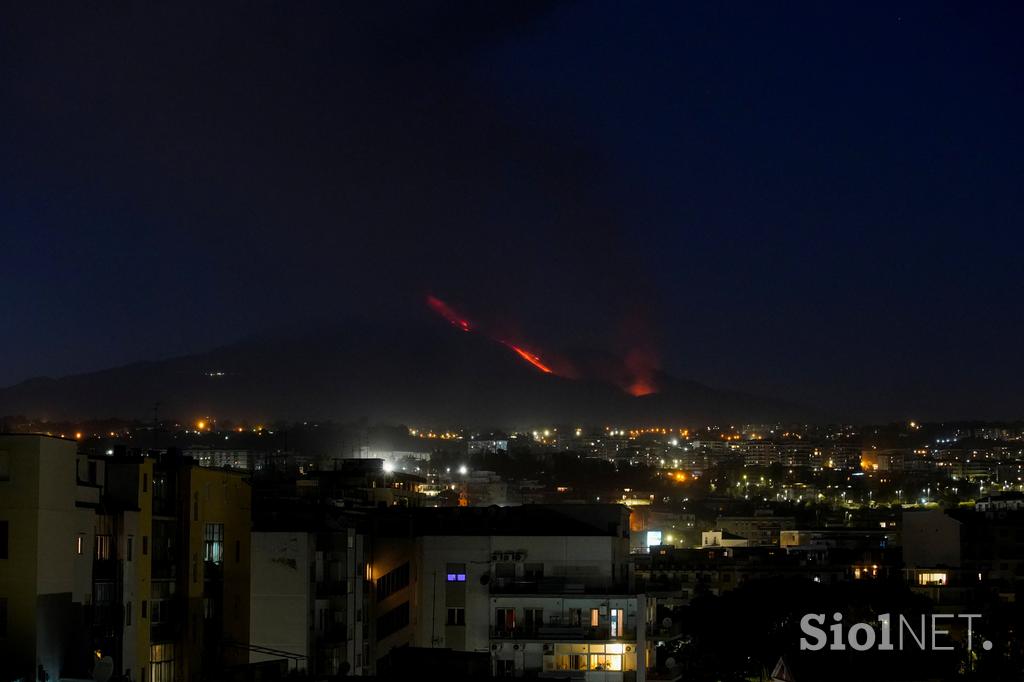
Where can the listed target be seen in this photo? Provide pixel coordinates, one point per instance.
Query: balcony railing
(556, 631)
(335, 633)
(659, 631)
(104, 569)
(560, 585)
(332, 588)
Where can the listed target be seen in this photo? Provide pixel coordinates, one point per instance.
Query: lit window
(213, 543)
(617, 622)
(931, 579)
(595, 617)
(456, 577)
(161, 662)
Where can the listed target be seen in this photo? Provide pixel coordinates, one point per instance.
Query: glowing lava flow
(530, 358)
(448, 313)
(445, 311)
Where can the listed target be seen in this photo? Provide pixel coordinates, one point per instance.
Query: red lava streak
(445, 311)
(448, 313)
(530, 358)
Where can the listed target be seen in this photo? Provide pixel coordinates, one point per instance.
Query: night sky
(812, 201)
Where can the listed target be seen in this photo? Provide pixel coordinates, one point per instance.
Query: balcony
(105, 569)
(332, 588)
(334, 633)
(555, 631)
(166, 631)
(560, 585)
(659, 632)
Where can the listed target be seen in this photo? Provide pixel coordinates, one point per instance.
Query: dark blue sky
(810, 201)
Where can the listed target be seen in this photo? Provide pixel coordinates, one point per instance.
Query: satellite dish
(666, 622)
(103, 669)
(670, 662)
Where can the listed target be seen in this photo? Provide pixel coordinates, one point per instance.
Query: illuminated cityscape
(586, 547)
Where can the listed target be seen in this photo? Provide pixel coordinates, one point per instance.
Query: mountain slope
(419, 373)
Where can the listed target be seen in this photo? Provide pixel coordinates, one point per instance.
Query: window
(605, 661)
(456, 573)
(92, 472)
(129, 547)
(506, 667)
(595, 618)
(505, 570)
(456, 616)
(505, 619)
(533, 571)
(80, 544)
(161, 663)
(162, 494)
(576, 617)
(164, 541)
(618, 622)
(145, 545)
(213, 543)
(392, 581)
(103, 543)
(533, 620)
(931, 579)
(103, 592)
(4, 533)
(162, 595)
(144, 609)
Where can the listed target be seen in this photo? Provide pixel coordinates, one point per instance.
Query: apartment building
(545, 590)
(143, 561)
(309, 602)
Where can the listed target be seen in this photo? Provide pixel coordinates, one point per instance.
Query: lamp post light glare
(463, 470)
